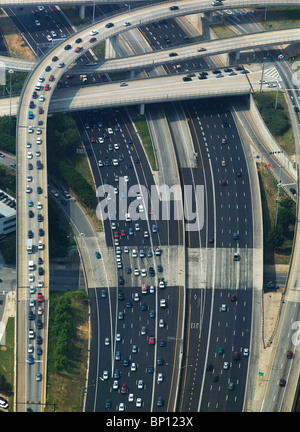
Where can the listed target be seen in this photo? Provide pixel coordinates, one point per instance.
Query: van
(236, 355)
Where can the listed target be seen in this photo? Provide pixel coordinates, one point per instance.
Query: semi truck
(29, 246)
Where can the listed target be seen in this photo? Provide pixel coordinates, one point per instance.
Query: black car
(78, 40)
(48, 68)
(121, 280)
(30, 234)
(108, 25)
(31, 315)
(173, 54)
(186, 78)
(41, 232)
(121, 295)
(173, 7)
(39, 324)
(67, 47)
(30, 166)
(41, 271)
(160, 401)
(216, 71)
(151, 271)
(293, 191)
(40, 218)
(31, 214)
(39, 340)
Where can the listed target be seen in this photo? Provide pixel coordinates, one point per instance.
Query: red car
(51, 78)
(79, 48)
(151, 340)
(40, 297)
(47, 87)
(93, 140)
(123, 234)
(41, 111)
(239, 68)
(116, 234)
(123, 388)
(93, 39)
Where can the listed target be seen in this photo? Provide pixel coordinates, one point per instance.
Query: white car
(118, 337)
(40, 284)
(31, 334)
(136, 272)
(137, 227)
(161, 323)
(138, 403)
(29, 178)
(31, 278)
(105, 374)
(225, 365)
(126, 178)
(115, 384)
(30, 348)
(38, 140)
(93, 32)
(223, 308)
(31, 302)
(28, 189)
(41, 98)
(107, 341)
(126, 249)
(49, 38)
(140, 384)
(122, 407)
(101, 140)
(133, 367)
(41, 79)
(130, 397)
(126, 24)
(246, 352)
(54, 193)
(40, 245)
(29, 155)
(116, 146)
(123, 84)
(40, 310)
(163, 303)
(115, 162)
(144, 273)
(39, 205)
(30, 129)
(134, 253)
(161, 284)
(110, 131)
(38, 131)
(152, 289)
(53, 33)
(160, 377)
(136, 297)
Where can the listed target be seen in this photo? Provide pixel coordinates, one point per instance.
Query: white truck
(29, 246)
(30, 266)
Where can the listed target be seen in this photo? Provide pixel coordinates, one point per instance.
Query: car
(136, 272)
(225, 365)
(233, 297)
(54, 59)
(201, 49)
(30, 115)
(162, 343)
(31, 334)
(115, 385)
(134, 349)
(138, 403)
(282, 382)
(159, 401)
(47, 87)
(120, 315)
(41, 111)
(30, 129)
(123, 388)
(173, 54)
(160, 361)
(143, 272)
(223, 308)
(61, 65)
(30, 359)
(293, 191)
(93, 39)
(78, 40)
(235, 236)
(230, 385)
(109, 25)
(67, 47)
(40, 297)
(28, 189)
(143, 307)
(151, 340)
(136, 297)
(78, 49)
(224, 182)
(39, 206)
(186, 78)
(39, 190)
(246, 352)
(30, 214)
(174, 7)
(92, 33)
(161, 323)
(133, 367)
(41, 98)
(107, 404)
(227, 70)
(143, 330)
(98, 255)
(236, 256)
(289, 354)
(130, 397)
(126, 23)
(140, 384)
(220, 351)
(163, 303)
(117, 374)
(121, 406)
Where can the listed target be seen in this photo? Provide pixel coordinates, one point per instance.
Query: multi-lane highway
(121, 317)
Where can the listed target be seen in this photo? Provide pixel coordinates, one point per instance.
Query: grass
(286, 140)
(15, 45)
(223, 31)
(278, 18)
(64, 388)
(268, 189)
(7, 360)
(143, 131)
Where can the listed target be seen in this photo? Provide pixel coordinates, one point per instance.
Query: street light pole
(10, 74)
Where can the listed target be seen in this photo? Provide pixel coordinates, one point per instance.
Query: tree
(275, 236)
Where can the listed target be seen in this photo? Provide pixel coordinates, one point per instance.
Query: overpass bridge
(185, 52)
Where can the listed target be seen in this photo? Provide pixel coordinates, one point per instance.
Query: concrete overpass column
(111, 47)
(205, 29)
(237, 55)
(132, 74)
(82, 12)
(142, 109)
(208, 16)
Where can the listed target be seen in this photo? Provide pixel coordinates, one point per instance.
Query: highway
(23, 124)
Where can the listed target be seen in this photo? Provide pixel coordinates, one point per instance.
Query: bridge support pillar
(111, 47)
(142, 109)
(82, 12)
(132, 74)
(237, 55)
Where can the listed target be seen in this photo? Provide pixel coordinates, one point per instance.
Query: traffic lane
(229, 331)
(193, 363)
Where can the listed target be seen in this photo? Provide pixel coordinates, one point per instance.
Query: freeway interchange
(194, 326)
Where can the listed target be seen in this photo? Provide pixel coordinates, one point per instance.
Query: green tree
(275, 236)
